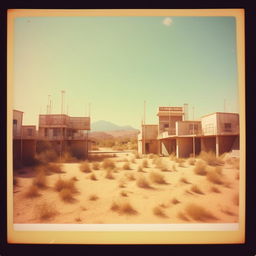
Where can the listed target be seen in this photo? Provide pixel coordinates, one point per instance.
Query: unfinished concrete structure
(147, 140)
(217, 132)
(65, 133)
(24, 139)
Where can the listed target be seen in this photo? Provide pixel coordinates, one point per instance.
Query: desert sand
(176, 195)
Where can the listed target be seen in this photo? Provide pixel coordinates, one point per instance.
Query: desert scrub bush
(155, 159)
(151, 156)
(54, 167)
(122, 183)
(123, 193)
(66, 195)
(123, 207)
(85, 167)
(172, 157)
(145, 163)
(180, 160)
(215, 176)
(126, 166)
(93, 176)
(182, 216)
(199, 213)
(40, 179)
(130, 176)
(175, 201)
(174, 169)
(184, 180)
(95, 166)
(142, 182)
(196, 189)
(61, 184)
(191, 161)
(46, 211)
(93, 197)
(68, 158)
(137, 155)
(162, 166)
(32, 191)
(215, 190)
(74, 178)
(158, 211)
(109, 174)
(133, 161)
(210, 158)
(140, 169)
(47, 156)
(108, 164)
(157, 177)
(200, 168)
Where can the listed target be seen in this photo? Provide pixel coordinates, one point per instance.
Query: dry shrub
(68, 158)
(109, 174)
(199, 213)
(155, 159)
(122, 183)
(54, 167)
(157, 177)
(74, 178)
(191, 161)
(200, 168)
(182, 216)
(160, 165)
(61, 184)
(123, 193)
(66, 195)
(140, 169)
(85, 167)
(78, 219)
(145, 163)
(175, 201)
(180, 160)
(32, 191)
(126, 166)
(210, 158)
(46, 211)
(215, 190)
(130, 176)
(47, 156)
(142, 182)
(235, 199)
(158, 211)
(133, 161)
(196, 189)
(174, 169)
(108, 164)
(234, 162)
(181, 165)
(137, 155)
(93, 197)
(123, 207)
(40, 179)
(93, 176)
(214, 176)
(95, 166)
(184, 180)
(172, 157)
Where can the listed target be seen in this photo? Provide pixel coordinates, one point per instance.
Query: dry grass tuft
(210, 158)
(160, 165)
(182, 216)
(151, 156)
(214, 176)
(74, 178)
(46, 211)
(184, 180)
(200, 168)
(196, 189)
(123, 207)
(40, 179)
(180, 160)
(66, 195)
(233, 162)
(109, 174)
(108, 164)
(142, 182)
(175, 201)
(123, 193)
(93, 197)
(172, 157)
(130, 176)
(85, 167)
(145, 163)
(95, 165)
(32, 191)
(93, 176)
(199, 213)
(133, 161)
(191, 161)
(61, 184)
(137, 155)
(157, 177)
(158, 211)
(126, 166)
(54, 167)
(140, 169)
(78, 219)
(122, 183)
(174, 169)
(215, 190)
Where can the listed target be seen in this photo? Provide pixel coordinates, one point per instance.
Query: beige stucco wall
(183, 127)
(209, 124)
(232, 118)
(184, 147)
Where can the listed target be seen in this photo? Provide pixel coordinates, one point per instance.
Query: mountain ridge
(103, 126)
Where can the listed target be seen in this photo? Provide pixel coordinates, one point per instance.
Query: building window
(15, 121)
(227, 127)
(166, 125)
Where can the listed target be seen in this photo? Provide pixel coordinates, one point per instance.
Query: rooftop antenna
(225, 105)
(62, 101)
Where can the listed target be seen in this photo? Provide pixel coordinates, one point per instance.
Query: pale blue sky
(116, 63)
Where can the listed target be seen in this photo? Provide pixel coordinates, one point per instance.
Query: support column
(177, 148)
(217, 146)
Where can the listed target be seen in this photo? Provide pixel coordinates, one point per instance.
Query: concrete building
(24, 139)
(65, 133)
(217, 132)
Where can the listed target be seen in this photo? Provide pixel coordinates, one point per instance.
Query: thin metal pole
(193, 132)
(144, 128)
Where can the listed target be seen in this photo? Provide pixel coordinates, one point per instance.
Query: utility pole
(144, 129)
(193, 132)
(61, 139)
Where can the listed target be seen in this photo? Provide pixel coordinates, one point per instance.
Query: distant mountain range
(107, 130)
(102, 126)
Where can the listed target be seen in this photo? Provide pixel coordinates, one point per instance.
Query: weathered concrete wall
(78, 148)
(186, 127)
(17, 123)
(208, 144)
(232, 119)
(209, 124)
(184, 147)
(226, 143)
(28, 150)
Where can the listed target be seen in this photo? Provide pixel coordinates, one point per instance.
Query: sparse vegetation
(32, 191)
(93, 197)
(45, 211)
(66, 195)
(199, 213)
(137, 155)
(108, 164)
(85, 167)
(54, 167)
(126, 166)
(214, 176)
(174, 168)
(200, 168)
(215, 190)
(157, 177)
(40, 179)
(140, 169)
(123, 193)
(109, 174)
(158, 211)
(175, 201)
(123, 207)
(130, 176)
(145, 163)
(61, 184)
(196, 189)
(191, 161)
(142, 182)
(184, 180)
(210, 158)
(93, 176)
(95, 166)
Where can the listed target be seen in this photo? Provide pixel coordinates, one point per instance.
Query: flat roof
(225, 113)
(18, 110)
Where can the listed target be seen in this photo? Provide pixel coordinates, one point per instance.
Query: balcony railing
(59, 137)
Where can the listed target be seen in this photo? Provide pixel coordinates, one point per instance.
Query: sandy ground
(171, 198)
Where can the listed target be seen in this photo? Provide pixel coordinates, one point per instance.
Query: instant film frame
(127, 233)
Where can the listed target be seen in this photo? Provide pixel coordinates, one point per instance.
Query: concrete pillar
(177, 147)
(217, 146)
